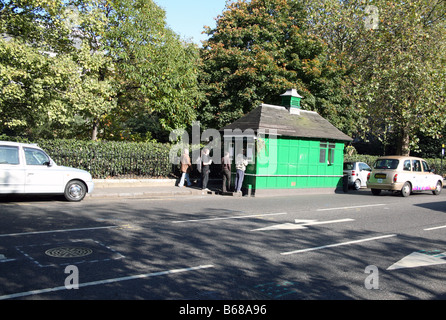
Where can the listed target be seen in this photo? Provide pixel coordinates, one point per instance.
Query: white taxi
(403, 174)
(27, 169)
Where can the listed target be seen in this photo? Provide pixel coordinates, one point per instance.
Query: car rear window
(9, 155)
(386, 164)
(348, 166)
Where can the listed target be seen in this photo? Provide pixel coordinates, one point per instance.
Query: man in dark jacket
(206, 161)
(226, 171)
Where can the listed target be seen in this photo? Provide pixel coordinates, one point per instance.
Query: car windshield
(386, 164)
(348, 166)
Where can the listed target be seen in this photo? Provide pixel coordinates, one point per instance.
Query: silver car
(357, 174)
(27, 169)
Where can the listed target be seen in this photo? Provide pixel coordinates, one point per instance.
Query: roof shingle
(305, 124)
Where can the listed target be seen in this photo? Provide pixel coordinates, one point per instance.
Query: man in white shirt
(240, 165)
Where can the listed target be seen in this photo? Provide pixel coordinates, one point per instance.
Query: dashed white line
(234, 217)
(352, 207)
(54, 231)
(100, 282)
(337, 244)
(434, 228)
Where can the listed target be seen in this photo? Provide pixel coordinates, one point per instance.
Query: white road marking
(100, 282)
(234, 217)
(419, 259)
(434, 228)
(55, 231)
(338, 244)
(7, 260)
(300, 224)
(353, 207)
(4, 259)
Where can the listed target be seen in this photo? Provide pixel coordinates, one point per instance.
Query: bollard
(345, 183)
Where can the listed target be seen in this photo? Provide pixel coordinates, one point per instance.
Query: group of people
(203, 166)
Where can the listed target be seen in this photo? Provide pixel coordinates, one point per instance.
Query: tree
(93, 66)
(396, 64)
(156, 72)
(405, 79)
(261, 48)
(32, 77)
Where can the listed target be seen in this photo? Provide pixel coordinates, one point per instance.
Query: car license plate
(380, 176)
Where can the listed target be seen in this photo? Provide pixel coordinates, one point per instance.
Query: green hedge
(109, 159)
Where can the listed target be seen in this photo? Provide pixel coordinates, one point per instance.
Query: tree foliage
(90, 67)
(111, 69)
(397, 67)
(261, 48)
(154, 69)
(32, 79)
(406, 76)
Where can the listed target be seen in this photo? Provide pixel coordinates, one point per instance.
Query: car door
(364, 171)
(418, 177)
(12, 172)
(41, 176)
(429, 177)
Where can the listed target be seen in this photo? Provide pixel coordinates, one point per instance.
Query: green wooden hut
(290, 150)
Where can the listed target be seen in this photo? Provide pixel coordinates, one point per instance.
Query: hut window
(324, 147)
(323, 152)
(250, 151)
(331, 153)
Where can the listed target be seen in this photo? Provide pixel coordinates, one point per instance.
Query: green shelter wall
(287, 163)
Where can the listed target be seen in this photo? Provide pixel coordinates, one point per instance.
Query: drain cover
(68, 252)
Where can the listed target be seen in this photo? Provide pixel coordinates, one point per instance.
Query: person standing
(198, 163)
(240, 165)
(205, 169)
(226, 172)
(185, 168)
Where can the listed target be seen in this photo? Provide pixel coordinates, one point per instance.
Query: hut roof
(303, 124)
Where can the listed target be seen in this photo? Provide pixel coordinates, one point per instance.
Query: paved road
(339, 246)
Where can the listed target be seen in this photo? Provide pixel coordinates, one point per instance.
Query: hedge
(109, 159)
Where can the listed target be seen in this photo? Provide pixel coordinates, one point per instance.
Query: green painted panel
(285, 157)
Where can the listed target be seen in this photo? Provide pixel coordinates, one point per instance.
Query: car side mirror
(48, 163)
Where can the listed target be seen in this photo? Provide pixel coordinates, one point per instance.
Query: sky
(188, 17)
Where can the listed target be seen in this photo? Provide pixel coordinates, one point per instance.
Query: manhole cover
(68, 252)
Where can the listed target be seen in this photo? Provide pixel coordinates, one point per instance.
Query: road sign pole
(442, 155)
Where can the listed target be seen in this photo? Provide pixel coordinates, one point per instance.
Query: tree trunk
(94, 132)
(403, 147)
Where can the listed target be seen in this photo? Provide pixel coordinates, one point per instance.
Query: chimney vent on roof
(291, 101)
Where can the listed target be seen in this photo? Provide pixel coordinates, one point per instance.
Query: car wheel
(75, 190)
(406, 189)
(357, 184)
(376, 192)
(438, 188)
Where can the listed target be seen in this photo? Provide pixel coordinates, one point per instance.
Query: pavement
(148, 188)
(155, 188)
